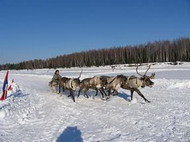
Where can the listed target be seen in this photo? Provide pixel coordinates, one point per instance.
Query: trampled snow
(33, 113)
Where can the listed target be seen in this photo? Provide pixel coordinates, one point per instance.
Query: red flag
(5, 87)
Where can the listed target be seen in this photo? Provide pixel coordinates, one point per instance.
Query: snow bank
(11, 96)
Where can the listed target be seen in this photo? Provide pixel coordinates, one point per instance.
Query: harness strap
(112, 80)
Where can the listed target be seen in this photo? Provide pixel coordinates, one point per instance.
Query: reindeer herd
(106, 85)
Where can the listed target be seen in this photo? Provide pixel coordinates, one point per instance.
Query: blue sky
(40, 29)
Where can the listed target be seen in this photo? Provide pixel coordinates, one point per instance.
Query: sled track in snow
(36, 114)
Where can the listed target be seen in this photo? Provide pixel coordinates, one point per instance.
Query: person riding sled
(54, 82)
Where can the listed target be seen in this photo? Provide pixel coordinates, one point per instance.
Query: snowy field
(32, 113)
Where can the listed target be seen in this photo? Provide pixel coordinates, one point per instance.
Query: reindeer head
(146, 79)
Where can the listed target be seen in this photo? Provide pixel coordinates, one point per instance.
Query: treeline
(159, 51)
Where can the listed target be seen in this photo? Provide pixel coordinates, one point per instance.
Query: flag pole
(5, 87)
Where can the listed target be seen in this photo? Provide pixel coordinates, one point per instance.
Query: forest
(158, 51)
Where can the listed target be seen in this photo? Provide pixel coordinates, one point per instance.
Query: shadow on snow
(70, 134)
(125, 96)
(18, 94)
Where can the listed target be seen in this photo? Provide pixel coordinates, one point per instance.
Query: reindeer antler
(147, 70)
(137, 71)
(80, 73)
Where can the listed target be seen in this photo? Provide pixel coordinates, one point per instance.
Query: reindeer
(97, 83)
(85, 84)
(114, 83)
(71, 84)
(133, 83)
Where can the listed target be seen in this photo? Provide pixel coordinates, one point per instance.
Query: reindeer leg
(85, 94)
(61, 89)
(104, 93)
(137, 90)
(101, 93)
(79, 93)
(93, 96)
(109, 92)
(72, 95)
(69, 94)
(96, 92)
(132, 91)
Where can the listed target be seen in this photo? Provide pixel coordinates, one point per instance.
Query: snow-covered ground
(33, 113)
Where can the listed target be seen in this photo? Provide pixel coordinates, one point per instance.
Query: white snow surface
(32, 113)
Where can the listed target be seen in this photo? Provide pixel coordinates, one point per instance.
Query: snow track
(32, 113)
